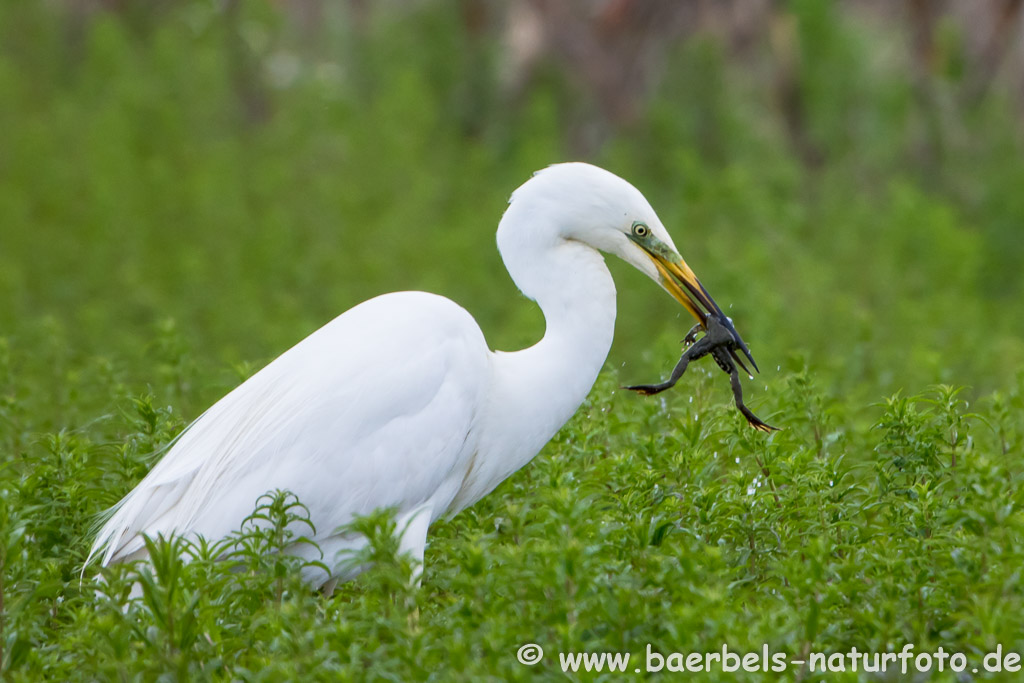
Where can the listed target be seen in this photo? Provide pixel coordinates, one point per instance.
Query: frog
(721, 341)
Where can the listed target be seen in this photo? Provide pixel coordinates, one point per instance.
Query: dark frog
(721, 341)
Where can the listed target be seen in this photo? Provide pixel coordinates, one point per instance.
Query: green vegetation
(164, 231)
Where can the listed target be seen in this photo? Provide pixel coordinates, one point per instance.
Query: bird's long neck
(538, 389)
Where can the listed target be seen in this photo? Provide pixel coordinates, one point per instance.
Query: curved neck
(571, 284)
(535, 391)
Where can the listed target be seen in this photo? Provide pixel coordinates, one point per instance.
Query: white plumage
(399, 403)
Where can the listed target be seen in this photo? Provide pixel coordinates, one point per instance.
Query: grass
(158, 246)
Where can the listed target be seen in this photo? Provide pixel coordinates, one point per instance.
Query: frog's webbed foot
(650, 389)
(754, 421)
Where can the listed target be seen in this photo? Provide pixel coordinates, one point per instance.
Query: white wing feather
(375, 409)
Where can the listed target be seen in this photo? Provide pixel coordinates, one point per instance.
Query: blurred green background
(201, 184)
(187, 188)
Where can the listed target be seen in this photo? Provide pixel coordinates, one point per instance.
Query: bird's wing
(375, 409)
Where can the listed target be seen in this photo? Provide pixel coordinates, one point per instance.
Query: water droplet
(737, 461)
(750, 377)
(830, 483)
(691, 399)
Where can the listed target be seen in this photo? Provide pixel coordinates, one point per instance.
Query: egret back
(375, 409)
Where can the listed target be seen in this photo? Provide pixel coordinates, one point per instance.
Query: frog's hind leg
(754, 421)
(677, 372)
(700, 349)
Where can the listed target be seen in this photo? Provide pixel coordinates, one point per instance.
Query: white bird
(399, 403)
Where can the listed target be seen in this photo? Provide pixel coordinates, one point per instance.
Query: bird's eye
(641, 230)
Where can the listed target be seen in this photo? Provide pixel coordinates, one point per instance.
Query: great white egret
(400, 403)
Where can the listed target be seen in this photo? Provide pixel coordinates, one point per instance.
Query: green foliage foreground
(667, 523)
(157, 245)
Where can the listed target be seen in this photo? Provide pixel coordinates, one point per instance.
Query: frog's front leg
(691, 336)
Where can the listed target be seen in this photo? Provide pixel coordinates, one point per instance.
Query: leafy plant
(175, 213)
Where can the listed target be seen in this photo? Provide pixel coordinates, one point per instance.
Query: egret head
(587, 204)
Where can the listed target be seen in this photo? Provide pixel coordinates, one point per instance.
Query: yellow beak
(679, 280)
